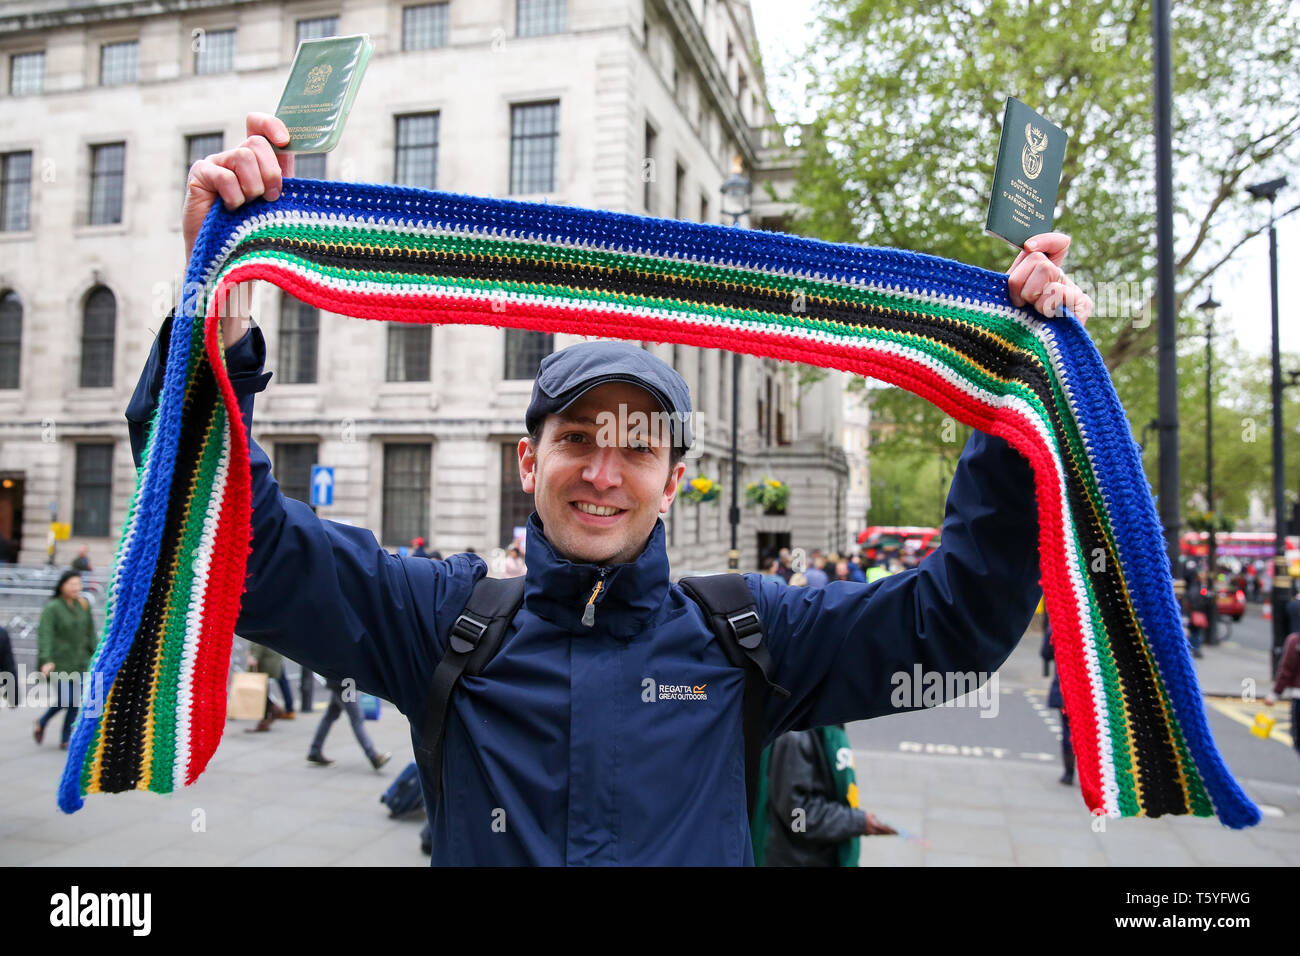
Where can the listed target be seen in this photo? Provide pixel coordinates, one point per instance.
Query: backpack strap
(473, 641)
(729, 606)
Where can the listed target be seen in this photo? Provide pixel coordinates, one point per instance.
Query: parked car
(1232, 603)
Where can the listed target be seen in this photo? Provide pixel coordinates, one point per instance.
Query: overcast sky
(1241, 285)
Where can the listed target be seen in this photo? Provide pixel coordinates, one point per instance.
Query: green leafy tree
(909, 98)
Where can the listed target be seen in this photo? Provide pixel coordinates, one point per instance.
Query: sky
(1242, 285)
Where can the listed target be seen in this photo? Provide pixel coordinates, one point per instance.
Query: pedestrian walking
(286, 692)
(1288, 684)
(82, 561)
(1055, 699)
(266, 661)
(65, 645)
(514, 566)
(8, 671)
(816, 573)
(1197, 599)
(344, 699)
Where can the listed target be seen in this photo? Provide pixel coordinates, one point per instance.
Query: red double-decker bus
(879, 540)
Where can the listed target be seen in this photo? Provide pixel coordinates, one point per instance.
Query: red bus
(1246, 545)
(878, 540)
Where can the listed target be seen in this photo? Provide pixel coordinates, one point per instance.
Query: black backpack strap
(729, 607)
(472, 642)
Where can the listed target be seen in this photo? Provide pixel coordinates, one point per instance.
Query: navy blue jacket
(621, 743)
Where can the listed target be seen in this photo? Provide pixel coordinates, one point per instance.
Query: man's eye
(574, 437)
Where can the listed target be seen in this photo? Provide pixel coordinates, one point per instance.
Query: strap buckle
(466, 633)
(747, 627)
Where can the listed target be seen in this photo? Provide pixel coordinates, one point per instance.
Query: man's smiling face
(598, 490)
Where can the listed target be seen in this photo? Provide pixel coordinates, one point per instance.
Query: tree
(909, 99)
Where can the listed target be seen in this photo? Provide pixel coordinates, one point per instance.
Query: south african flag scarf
(940, 329)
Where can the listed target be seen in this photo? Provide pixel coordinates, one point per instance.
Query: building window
(98, 330)
(648, 169)
(534, 143)
(525, 351)
(27, 73)
(318, 28)
(704, 208)
(197, 147)
(15, 192)
(299, 335)
(309, 166)
(93, 490)
(293, 463)
(416, 162)
(679, 193)
(409, 350)
(534, 18)
(107, 170)
(118, 62)
(214, 52)
(11, 338)
(516, 504)
(425, 26)
(406, 492)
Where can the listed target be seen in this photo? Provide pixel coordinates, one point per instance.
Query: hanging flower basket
(701, 489)
(771, 494)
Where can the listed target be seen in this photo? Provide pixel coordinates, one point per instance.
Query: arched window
(97, 332)
(11, 338)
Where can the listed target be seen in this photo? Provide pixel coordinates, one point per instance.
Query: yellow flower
(701, 484)
(773, 483)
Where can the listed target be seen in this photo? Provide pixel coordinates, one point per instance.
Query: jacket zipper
(589, 612)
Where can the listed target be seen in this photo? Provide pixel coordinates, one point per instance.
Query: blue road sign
(322, 485)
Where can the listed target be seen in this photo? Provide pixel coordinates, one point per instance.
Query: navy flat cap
(566, 375)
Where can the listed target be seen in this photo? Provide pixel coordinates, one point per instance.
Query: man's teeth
(596, 509)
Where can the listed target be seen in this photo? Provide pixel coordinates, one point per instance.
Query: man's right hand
(249, 170)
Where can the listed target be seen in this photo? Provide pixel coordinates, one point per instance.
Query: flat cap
(566, 375)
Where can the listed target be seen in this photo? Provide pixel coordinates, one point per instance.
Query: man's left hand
(1037, 279)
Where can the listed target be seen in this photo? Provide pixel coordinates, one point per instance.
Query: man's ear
(527, 465)
(670, 488)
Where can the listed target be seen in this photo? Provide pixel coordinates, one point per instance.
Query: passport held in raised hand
(1031, 155)
(322, 84)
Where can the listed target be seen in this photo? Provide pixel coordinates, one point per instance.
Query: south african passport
(322, 84)
(1027, 177)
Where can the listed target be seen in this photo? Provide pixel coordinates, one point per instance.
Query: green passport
(1031, 155)
(322, 84)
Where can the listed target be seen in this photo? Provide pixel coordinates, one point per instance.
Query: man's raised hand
(247, 171)
(1037, 279)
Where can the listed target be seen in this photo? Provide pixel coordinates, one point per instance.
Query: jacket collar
(558, 589)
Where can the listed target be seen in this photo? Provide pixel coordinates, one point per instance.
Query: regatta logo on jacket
(652, 691)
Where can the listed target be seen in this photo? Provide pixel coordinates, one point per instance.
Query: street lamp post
(1209, 308)
(1281, 580)
(737, 192)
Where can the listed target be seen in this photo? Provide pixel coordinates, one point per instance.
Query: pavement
(959, 799)
(965, 803)
(259, 803)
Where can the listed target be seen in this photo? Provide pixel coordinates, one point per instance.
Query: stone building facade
(622, 104)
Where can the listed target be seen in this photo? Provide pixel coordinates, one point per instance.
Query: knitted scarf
(942, 330)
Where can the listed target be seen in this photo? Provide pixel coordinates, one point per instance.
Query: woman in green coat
(65, 644)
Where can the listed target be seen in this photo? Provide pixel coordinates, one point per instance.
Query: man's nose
(604, 469)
